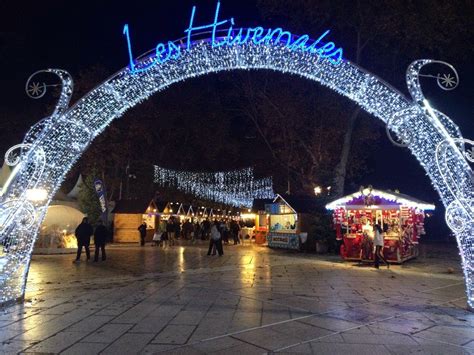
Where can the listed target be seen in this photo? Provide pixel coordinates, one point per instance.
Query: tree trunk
(341, 168)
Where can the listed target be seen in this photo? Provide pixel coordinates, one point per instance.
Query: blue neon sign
(257, 35)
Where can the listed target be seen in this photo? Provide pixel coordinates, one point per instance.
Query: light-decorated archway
(53, 145)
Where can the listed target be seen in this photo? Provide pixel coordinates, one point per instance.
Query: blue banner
(100, 190)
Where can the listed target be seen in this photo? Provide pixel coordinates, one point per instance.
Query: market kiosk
(254, 222)
(129, 214)
(289, 221)
(400, 216)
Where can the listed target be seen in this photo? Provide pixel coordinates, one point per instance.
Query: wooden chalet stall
(289, 221)
(255, 221)
(129, 214)
(400, 216)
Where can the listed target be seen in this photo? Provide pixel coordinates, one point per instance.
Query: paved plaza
(253, 300)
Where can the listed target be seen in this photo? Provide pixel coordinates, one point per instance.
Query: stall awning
(378, 198)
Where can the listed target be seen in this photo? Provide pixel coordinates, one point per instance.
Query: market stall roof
(162, 205)
(379, 197)
(181, 210)
(300, 204)
(133, 206)
(74, 193)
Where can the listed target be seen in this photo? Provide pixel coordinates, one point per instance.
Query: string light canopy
(53, 145)
(236, 188)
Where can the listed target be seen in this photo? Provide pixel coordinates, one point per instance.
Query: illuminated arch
(53, 145)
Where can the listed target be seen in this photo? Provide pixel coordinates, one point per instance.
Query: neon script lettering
(257, 35)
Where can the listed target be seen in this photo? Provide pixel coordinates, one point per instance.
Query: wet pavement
(252, 299)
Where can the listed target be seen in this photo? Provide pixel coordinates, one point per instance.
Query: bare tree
(392, 31)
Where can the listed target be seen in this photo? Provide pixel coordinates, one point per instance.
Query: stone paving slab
(108, 333)
(253, 300)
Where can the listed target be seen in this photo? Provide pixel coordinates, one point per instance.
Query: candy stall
(400, 216)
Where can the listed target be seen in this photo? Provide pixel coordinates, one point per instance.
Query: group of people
(83, 234)
(172, 229)
(373, 235)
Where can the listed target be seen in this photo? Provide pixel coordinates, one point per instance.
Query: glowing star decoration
(54, 144)
(448, 81)
(237, 188)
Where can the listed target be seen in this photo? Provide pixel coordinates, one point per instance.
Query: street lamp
(317, 190)
(329, 190)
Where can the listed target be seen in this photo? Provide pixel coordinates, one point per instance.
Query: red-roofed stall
(401, 217)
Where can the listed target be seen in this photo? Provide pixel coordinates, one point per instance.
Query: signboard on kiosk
(284, 241)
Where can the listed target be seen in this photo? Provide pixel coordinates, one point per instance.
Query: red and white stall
(401, 217)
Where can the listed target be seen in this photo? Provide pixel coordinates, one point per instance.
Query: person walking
(224, 231)
(197, 231)
(156, 238)
(177, 229)
(164, 239)
(206, 229)
(170, 231)
(379, 244)
(215, 242)
(100, 238)
(160, 232)
(234, 230)
(83, 235)
(142, 230)
(187, 229)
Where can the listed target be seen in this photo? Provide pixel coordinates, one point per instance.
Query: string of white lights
(236, 188)
(52, 147)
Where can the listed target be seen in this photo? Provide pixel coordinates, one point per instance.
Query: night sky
(75, 35)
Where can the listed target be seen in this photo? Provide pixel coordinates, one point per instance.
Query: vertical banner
(100, 190)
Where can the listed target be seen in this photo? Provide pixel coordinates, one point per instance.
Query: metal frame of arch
(53, 145)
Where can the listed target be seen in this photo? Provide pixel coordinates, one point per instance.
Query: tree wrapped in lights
(237, 188)
(52, 146)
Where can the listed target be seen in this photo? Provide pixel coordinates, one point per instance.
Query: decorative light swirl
(413, 78)
(16, 214)
(13, 155)
(460, 213)
(36, 90)
(397, 123)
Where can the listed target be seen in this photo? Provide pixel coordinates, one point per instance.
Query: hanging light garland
(236, 188)
(52, 146)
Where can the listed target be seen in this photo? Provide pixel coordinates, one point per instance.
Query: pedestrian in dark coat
(100, 238)
(142, 230)
(83, 235)
(215, 242)
(206, 229)
(171, 231)
(234, 230)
